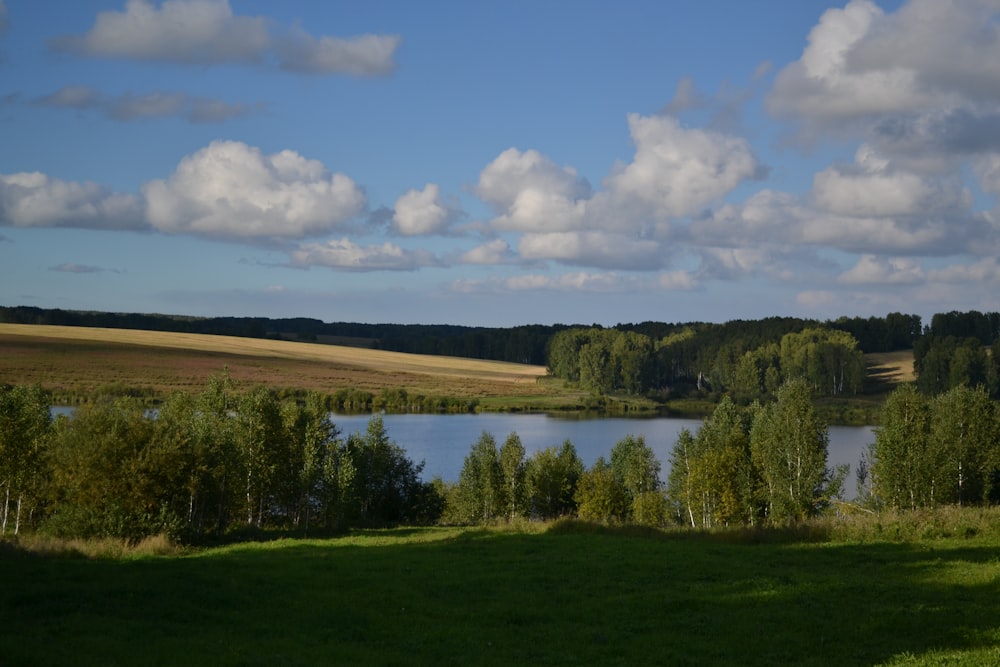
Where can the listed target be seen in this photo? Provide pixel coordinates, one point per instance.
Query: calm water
(442, 441)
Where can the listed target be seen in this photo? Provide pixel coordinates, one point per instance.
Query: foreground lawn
(449, 596)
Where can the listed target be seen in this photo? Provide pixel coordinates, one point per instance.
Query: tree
(713, 479)
(386, 484)
(600, 495)
(259, 438)
(963, 434)
(681, 492)
(101, 484)
(479, 496)
(25, 424)
(904, 472)
(553, 474)
(513, 466)
(635, 466)
(788, 443)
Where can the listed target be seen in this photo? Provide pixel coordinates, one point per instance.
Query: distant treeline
(952, 350)
(521, 344)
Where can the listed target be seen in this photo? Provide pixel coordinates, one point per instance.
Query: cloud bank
(207, 32)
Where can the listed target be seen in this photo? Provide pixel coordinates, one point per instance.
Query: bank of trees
(764, 464)
(760, 464)
(611, 360)
(208, 463)
(935, 451)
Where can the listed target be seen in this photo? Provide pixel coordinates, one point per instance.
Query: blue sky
(500, 163)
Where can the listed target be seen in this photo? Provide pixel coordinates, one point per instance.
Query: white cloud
(206, 32)
(676, 172)
(232, 190)
(201, 32)
(151, 105)
(532, 192)
(983, 271)
(923, 76)
(361, 56)
(592, 248)
(579, 281)
(422, 212)
(37, 200)
(496, 251)
(872, 187)
(873, 270)
(346, 255)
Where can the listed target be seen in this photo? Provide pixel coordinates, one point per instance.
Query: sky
(498, 163)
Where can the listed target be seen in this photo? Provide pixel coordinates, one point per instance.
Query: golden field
(80, 360)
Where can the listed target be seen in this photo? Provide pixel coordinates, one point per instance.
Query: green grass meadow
(565, 594)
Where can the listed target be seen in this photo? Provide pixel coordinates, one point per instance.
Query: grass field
(78, 361)
(565, 594)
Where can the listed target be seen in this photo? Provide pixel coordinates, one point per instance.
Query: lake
(443, 441)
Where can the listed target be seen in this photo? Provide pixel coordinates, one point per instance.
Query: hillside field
(79, 361)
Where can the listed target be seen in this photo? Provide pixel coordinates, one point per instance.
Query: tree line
(607, 361)
(763, 464)
(959, 349)
(932, 451)
(521, 344)
(208, 463)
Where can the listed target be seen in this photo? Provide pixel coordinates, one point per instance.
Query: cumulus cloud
(346, 255)
(983, 271)
(496, 251)
(532, 193)
(37, 200)
(873, 270)
(923, 77)
(230, 189)
(874, 187)
(361, 56)
(207, 32)
(420, 212)
(151, 105)
(592, 248)
(579, 281)
(677, 171)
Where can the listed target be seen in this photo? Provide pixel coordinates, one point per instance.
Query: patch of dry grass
(104, 548)
(891, 367)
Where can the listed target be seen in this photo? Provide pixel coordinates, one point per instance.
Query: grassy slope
(78, 360)
(448, 596)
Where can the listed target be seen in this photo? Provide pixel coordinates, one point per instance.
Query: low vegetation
(559, 594)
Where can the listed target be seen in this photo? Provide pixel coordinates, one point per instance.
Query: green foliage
(788, 444)
(480, 494)
(25, 425)
(553, 474)
(600, 495)
(933, 451)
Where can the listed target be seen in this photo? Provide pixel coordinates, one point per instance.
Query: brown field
(77, 361)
